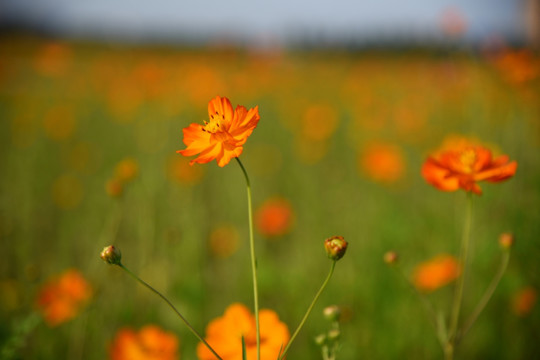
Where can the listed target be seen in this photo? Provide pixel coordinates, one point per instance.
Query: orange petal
(221, 106)
(498, 174)
(439, 177)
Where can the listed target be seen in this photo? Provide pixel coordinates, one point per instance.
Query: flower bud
(391, 257)
(320, 339)
(336, 246)
(332, 313)
(334, 334)
(506, 240)
(111, 255)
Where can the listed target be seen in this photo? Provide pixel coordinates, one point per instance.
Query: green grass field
(72, 111)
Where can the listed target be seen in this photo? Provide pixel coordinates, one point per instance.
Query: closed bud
(334, 334)
(391, 257)
(336, 246)
(111, 255)
(332, 313)
(320, 339)
(506, 240)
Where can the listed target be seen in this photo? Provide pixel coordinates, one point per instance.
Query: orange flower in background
(435, 273)
(149, 343)
(462, 163)
(382, 162)
(124, 172)
(224, 241)
(222, 137)
(179, 171)
(224, 334)
(524, 300)
(274, 217)
(62, 298)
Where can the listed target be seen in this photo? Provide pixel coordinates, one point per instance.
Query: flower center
(468, 159)
(216, 124)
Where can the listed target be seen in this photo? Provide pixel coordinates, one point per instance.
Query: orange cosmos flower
(150, 343)
(225, 333)
(462, 164)
(274, 217)
(222, 137)
(62, 298)
(435, 273)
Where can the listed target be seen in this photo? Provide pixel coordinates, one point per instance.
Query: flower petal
(221, 106)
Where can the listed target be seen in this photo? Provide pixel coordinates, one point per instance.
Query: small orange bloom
(150, 343)
(126, 170)
(383, 162)
(224, 241)
(62, 298)
(274, 217)
(524, 301)
(225, 333)
(222, 137)
(435, 273)
(462, 164)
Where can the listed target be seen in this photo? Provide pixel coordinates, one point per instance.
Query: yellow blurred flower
(149, 343)
(225, 333)
(62, 298)
(436, 273)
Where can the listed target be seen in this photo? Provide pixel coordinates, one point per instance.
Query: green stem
(309, 309)
(428, 307)
(487, 295)
(174, 309)
(253, 259)
(464, 252)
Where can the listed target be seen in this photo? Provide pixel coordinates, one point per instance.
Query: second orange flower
(462, 163)
(221, 138)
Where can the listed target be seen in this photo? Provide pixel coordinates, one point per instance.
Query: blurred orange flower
(179, 171)
(222, 137)
(124, 172)
(62, 298)
(524, 301)
(383, 162)
(274, 217)
(462, 163)
(150, 343)
(435, 273)
(225, 334)
(518, 66)
(224, 241)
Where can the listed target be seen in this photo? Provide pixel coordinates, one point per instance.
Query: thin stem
(309, 309)
(174, 309)
(253, 259)
(487, 295)
(464, 252)
(428, 306)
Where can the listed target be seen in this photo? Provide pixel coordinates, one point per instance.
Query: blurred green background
(71, 111)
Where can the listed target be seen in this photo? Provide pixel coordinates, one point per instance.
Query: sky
(256, 20)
